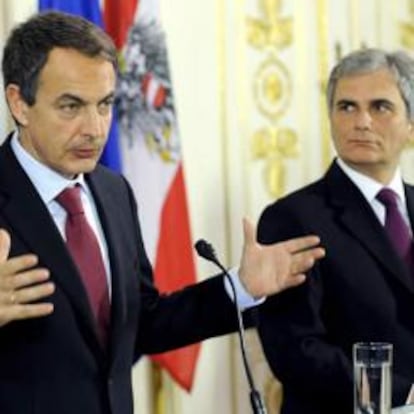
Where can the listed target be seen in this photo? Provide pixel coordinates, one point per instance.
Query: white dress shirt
(49, 184)
(370, 188)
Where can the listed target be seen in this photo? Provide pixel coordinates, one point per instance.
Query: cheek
(64, 133)
(339, 122)
(398, 131)
(338, 131)
(45, 147)
(51, 142)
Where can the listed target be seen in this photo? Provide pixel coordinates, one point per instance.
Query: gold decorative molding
(407, 35)
(271, 30)
(272, 88)
(273, 395)
(407, 28)
(323, 73)
(274, 145)
(272, 91)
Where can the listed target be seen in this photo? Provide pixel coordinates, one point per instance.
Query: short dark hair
(29, 44)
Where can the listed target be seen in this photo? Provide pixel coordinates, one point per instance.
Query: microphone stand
(206, 251)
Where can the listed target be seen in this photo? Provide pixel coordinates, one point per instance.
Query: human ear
(18, 107)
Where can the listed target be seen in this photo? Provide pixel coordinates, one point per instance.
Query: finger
(249, 231)
(314, 253)
(18, 264)
(301, 243)
(317, 253)
(19, 312)
(27, 278)
(302, 265)
(295, 280)
(305, 260)
(4, 245)
(7, 298)
(34, 293)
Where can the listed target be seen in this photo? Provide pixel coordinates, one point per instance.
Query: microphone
(206, 251)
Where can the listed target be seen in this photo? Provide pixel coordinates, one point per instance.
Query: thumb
(4, 245)
(249, 231)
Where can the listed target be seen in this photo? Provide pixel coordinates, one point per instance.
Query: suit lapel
(409, 194)
(357, 216)
(108, 210)
(29, 218)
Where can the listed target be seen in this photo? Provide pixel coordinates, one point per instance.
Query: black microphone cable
(206, 251)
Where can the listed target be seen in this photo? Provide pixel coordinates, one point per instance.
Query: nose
(93, 124)
(363, 120)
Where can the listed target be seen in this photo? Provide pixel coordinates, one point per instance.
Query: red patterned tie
(396, 226)
(84, 248)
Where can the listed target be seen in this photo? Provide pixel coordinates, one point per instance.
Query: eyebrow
(110, 95)
(382, 101)
(345, 102)
(374, 101)
(75, 98)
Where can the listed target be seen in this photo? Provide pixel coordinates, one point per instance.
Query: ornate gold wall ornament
(272, 91)
(274, 145)
(407, 35)
(407, 29)
(323, 75)
(272, 88)
(274, 395)
(271, 30)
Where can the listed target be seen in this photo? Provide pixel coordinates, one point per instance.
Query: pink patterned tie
(84, 248)
(396, 226)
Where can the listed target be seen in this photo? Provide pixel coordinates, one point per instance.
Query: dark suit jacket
(55, 364)
(361, 291)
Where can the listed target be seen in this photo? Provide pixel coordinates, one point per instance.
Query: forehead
(69, 71)
(379, 84)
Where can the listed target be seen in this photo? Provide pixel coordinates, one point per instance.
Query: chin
(87, 169)
(82, 167)
(362, 156)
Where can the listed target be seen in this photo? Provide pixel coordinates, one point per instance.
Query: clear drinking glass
(372, 377)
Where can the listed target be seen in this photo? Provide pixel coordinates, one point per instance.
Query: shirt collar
(368, 186)
(47, 182)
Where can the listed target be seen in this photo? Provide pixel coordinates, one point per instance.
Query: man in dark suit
(363, 290)
(73, 322)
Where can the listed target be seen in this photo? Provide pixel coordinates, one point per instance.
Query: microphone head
(205, 250)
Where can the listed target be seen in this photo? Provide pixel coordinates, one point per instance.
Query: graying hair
(400, 65)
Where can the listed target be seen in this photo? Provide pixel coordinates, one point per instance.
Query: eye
(345, 106)
(382, 106)
(105, 107)
(69, 109)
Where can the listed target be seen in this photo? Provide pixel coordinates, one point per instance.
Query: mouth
(86, 153)
(363, 142)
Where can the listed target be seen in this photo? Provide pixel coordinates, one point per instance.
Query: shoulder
(110, 185)
(103, 174)
(409, 187)
(292, 215)
(300, 199)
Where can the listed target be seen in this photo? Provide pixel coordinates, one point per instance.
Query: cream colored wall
(191, 29)
(215, 71)
(224, 119)
(10, 13)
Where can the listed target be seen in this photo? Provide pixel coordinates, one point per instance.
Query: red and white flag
(151, 155)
